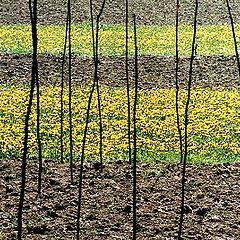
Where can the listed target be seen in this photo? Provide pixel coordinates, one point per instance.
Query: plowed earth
(154, 72)
(147, 12)
(212, 208)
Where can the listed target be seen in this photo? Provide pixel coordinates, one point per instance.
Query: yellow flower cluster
(214, 125)
(152, 40)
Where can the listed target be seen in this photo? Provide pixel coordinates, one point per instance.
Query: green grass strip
(152, 40)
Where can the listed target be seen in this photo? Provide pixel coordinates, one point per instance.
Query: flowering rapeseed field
(214, 126)
(152, 40)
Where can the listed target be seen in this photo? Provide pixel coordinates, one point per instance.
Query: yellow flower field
(152, 40)
(214, 126)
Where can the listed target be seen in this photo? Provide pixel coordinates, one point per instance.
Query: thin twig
(38, 132)
(86, 124)
(135, 134)
(128, 87)
(82, 160)
(177, 85)
(38, 110)
(234, 36)
(70, 89)
(62, 86)
(33, 17)
(186, 122)
(93, 35)
(96, 79)
(98, 91)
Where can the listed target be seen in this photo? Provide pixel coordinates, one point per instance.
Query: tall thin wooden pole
(82, 161)
(177, 84)
(128, 87)
(234, 36)
(38, 134)
(93, 35)
(62, 89)
(38, 116)
(186, 123)
(33, 17)
(135, 134)
(96, 79)
(70, 89)
(95, 53)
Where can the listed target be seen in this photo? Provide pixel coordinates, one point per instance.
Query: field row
(152, 40)
(214, 125)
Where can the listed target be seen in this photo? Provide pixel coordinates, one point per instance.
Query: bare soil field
(213, 71)
(148, 12)
(154, 72)
(212, 201)
(212, 191)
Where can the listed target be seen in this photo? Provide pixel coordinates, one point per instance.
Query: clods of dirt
(148, 12)
(211, 209)
(154, 72)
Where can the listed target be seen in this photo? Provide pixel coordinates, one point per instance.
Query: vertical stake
(135, 134)
(33, 18)
(186, 123)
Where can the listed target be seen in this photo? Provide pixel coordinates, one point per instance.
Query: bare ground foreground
(212, 201)
(212, 198)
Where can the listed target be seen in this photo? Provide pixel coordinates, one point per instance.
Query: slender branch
(101, 9)
(135, 134)
(96, 79)
(177, 85)
(186, 121)
(128, 87)
(62, 86)
(33, 17)
(93, 35)
(234, 36)
(70, 90)
(98, 91)
(82, 160)
(38, 131)
(86, 124)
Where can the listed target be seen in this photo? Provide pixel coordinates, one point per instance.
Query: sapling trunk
(96, 79)
(33, 18)
(186, 116)
(234, 36)
(70, 89)
(128, 87)
(134, 167)
(38, 133)
(177, 85)
(62, 88)
(95, 57)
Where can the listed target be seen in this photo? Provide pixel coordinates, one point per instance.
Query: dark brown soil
(212, 198)
(212, 201)
(147, 11)
(153, 71)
